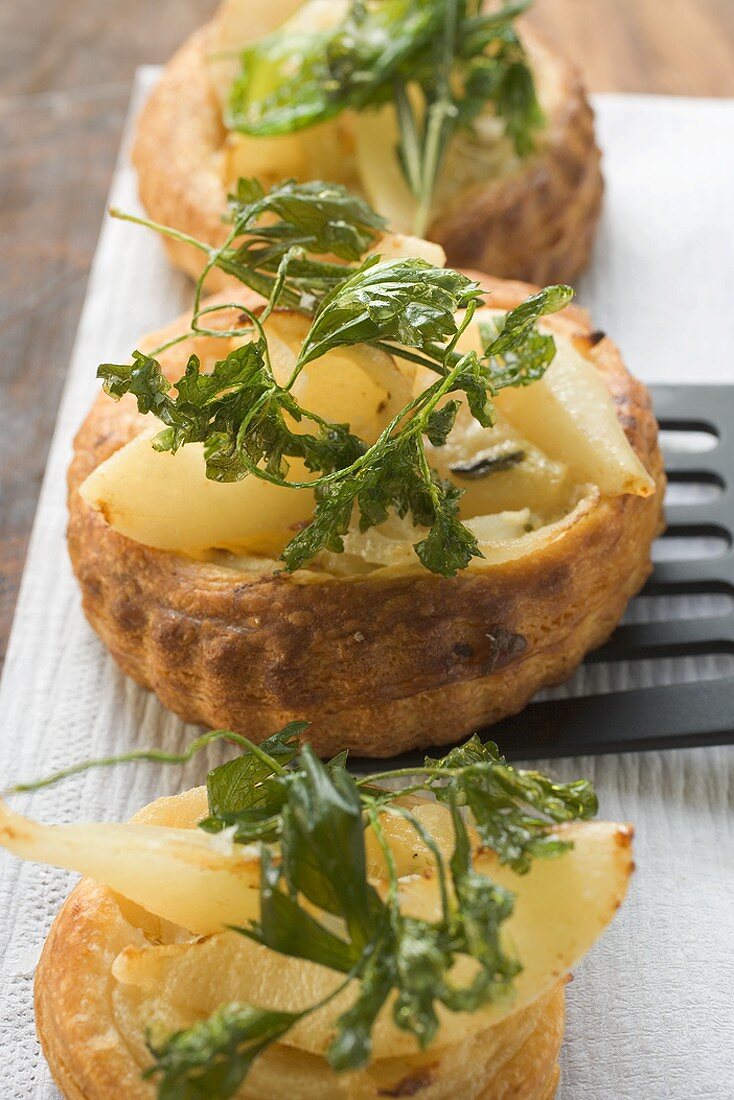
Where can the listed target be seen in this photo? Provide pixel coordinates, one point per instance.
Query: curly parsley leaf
(286, 927)
(320, 218)
(238, 411)
(210, 1060)
(351, 1047)
(276, 239)
(440, 423)
(516, 352)
(397, 478)
(520, 322)
(513, 810)
(449, 546)
(402, 301)
(239, 784)
(208, 408)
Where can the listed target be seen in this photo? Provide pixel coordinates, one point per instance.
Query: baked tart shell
(382, 662)
(91, 1056)
(536, 222)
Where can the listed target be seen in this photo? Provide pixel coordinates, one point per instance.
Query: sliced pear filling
(569, 415)
(201, 883)
(556, 443)
(500, 470)
(166, 501)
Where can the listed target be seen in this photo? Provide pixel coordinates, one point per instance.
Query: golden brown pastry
(531, 217)
(145, 970)
(378, 654)
(93, 1038)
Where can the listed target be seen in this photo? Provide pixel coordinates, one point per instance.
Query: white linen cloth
(650, 1012)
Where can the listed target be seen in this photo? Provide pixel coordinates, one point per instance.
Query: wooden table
(65, 73)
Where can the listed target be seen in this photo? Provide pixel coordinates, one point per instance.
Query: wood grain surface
(66, 68)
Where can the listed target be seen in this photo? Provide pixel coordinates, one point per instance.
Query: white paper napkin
(650, 1011)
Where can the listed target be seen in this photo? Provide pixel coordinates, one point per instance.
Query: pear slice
(166, 501)
(266, 159)
(561, 907)
(382, 179)
(500, 470)
(239, 23)
(398, 246)
(569, 415)
(194, 879)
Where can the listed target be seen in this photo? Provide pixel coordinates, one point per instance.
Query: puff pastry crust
(94, 1039)
(382, 662)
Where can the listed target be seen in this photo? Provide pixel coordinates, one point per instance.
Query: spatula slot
(702, 575)
(664, 607)
(687, 436)
(693, 487)
(684, 636)
(695, 543)
(645, 673)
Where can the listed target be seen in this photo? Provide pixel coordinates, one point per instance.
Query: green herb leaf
(482, 907)
(440, 423)
(513, 810)
(211, 1060)
(474, 381)
(334, 505)
(518, 353)
(322, 805)
(287, 928)
(403, 301)
(282, 85)
(352, 1046)
(449, 546)
(238, 784)
(521, 320)
(208, 408)
(317, 217)
(396, 478)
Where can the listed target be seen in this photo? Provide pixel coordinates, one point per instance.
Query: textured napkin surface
(650, 1011)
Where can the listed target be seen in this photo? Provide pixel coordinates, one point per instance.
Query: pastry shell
(93, 1054)
(382, 662)
(536, 222)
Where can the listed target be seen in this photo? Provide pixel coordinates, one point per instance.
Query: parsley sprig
(318, 902)
(274, 237)
(244, 417)
(441, 61)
